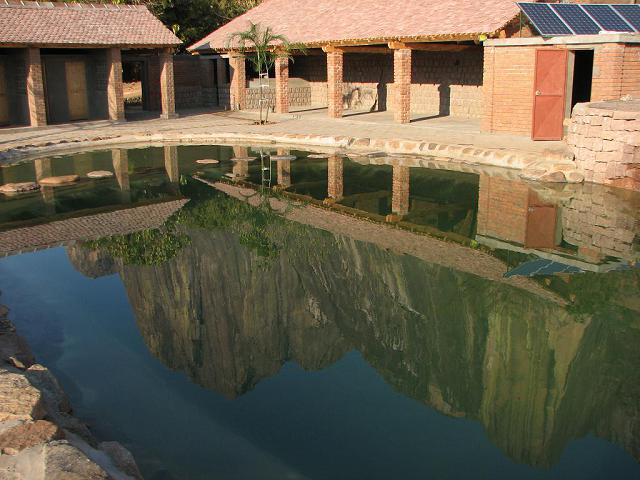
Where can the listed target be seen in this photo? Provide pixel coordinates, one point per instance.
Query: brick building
(465, 58)
(62, 62)
(421, 57)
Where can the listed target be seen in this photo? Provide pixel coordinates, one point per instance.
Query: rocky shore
(39, 436)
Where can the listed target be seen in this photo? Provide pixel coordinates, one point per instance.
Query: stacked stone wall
(605, 138)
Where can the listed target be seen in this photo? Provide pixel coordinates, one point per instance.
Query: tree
(262, 46)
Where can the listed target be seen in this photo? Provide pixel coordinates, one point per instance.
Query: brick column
(335, 179)
(167, 84)
(488, 72)
(115, 94)
(238, 81)
(282, 84)
(400, 190)
(402, 85)
(608, 67)
(335, 65)
(35, 88)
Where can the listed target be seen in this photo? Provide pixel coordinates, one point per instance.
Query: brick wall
(605, 138)
(509, 75)
(194, 82)
(442, 82)
(16, 79)
(508, 89)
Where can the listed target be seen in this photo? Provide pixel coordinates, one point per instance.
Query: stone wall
(298, 97)
(605, 138)
(194, 82)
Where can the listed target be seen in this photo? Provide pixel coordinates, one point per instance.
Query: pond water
(225, 340)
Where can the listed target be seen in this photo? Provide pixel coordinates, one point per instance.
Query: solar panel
(576, 18)
(544, 19)
(607, 18)
(631, 14)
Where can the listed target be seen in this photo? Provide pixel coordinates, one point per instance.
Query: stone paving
(443, 137)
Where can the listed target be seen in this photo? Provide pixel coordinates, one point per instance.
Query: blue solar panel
(576, 18)
(631, 14)
(544, 19)
(607, 18)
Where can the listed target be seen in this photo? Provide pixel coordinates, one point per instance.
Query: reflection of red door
(549, 94)
(541, 226)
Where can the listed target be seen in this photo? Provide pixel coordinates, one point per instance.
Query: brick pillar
(282, 84)
(171, 163)
(238, 92)
(608, 67)
(402, 85)
(488, 72)
(35, 88)
(400, 191)
(115, 94)
(167, 84)
(335, 63)
(335, 180)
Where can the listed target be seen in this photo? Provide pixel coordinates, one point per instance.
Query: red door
(549, 94)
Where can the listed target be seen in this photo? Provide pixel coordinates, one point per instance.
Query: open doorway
(133, 84)
(582, 77)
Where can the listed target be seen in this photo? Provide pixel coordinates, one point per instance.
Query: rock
(30, 434)
(392, 218)
(207, 161)
(574, 177)
(15, 188)
(4, 311)
(14, 350)
(282, 158)
(243, 159)
(54, 397)
(59, 181)
(553, 177)
(10, 451)
(6, 326)
(63, 461)
(247, 192)
(121, 458)
(19, 399)
(100, 174)
(318, 155)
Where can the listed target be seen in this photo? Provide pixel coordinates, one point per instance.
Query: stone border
(540, 164)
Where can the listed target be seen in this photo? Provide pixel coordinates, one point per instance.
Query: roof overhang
(565, 40)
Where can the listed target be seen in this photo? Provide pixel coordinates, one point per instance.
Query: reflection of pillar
(43, 168)
(283, 169)
(400, 194)
(120, 159)
(241, 168)
(171, 163)
(335, 185)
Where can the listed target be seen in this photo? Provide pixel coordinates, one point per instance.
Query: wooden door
(76, 76)
(549, 94)
(4, 96)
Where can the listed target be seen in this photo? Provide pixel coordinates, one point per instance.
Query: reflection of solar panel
(631, 14)
(570, 18)
(607, 18)
(576, 18)
(544, 19)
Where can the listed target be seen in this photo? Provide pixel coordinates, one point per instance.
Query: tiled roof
(317, 22)
(65, 24)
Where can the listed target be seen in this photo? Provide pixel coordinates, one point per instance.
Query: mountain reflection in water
(536, 374)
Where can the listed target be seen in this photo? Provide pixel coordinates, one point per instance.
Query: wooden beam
(439, 47)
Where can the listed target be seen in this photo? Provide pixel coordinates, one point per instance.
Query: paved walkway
(444, 137)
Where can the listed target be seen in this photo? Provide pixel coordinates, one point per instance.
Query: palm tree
(262, 46)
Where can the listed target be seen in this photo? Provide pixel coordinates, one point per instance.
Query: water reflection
(228, 293)
(535, 373)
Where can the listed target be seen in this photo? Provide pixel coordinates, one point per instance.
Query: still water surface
(229, 342)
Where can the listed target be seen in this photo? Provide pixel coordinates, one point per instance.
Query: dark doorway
(134, 84)
(582, 76)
